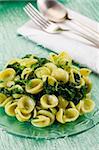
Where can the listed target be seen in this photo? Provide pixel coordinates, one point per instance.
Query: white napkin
(66, 41)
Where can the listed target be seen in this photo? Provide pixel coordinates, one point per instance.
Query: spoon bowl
(53, 10)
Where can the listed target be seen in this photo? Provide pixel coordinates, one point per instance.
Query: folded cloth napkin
(85, 54)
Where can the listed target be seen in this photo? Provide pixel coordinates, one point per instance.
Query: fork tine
(38, 13)
(32, 17)
(35, 16)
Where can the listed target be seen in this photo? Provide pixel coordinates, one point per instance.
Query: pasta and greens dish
(42, 91)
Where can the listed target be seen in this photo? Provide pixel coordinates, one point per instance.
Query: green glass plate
(57, 130)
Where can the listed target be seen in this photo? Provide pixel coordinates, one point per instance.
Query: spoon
(56, 12)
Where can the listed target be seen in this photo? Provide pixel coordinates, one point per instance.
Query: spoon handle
(85, 27)
(80, 32)
(87, 37)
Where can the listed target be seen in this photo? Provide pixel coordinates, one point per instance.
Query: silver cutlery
(50, 27)
(40, 20)
(56, 12)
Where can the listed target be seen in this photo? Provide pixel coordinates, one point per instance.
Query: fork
(51, 27)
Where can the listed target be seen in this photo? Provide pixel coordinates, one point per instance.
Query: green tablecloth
(11, 17)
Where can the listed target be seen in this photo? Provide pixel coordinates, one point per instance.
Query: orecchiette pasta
(20, 116)
(10, 108)
(59, 115)
(49, 101)
(3, 97)
(75, 76)
(67, 115)
(17, 96)
(5, 101)
(60, 75)
(51, 80)
(39, 107)
(48, 114)
(79, 106)
(34, 86)
(26, 104)
(62, 103)
(85, 71)
(34, 113)
(6, 75)
(15, 60)
(88, 83)
(87, 106)
(42, 71)
(53, 110)
(71, 114)
(26, 73)
(41, 121)
(53, 58)
(72, 105)
(65, 55)
(50, 66)
(63, 59)
(27, 62)
(42, 91)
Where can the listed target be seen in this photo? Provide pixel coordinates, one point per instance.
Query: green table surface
(12, 16)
